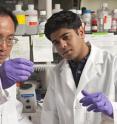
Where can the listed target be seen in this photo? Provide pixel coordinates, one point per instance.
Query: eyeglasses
(9, 40)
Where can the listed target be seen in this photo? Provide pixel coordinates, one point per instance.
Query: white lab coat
(8, 113)
(11, 108)
(61, 103)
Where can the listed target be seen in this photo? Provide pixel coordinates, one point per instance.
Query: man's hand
(15, 70)
(97, 102)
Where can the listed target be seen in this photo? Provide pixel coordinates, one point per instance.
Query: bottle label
(42, 27)
(94, 27)
(33, 23)
(32, 20)
(105, 19)
(87, 26)
(21, 19)
(114, 25)
(107, 22)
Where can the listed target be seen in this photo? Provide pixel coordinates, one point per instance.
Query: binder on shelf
(41, 49)
(21, 48)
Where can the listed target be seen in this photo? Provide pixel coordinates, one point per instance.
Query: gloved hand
(97, 102)
(15, 70)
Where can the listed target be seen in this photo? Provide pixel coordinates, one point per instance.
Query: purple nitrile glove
(15, 70)
(97, 102)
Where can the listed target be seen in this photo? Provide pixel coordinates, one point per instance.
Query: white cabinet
(107, 42)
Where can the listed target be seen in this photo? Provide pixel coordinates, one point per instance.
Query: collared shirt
(77, 68)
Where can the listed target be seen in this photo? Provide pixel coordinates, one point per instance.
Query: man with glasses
(12, 70)
(83, 86)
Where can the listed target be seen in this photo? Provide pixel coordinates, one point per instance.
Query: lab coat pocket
(93, 118)
(79, 113)
(82, 116)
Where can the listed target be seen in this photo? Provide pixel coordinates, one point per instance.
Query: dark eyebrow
(11, 35)
(53, 41)
(61, 36)
(64, 34)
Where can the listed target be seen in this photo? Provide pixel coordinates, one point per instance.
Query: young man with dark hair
(82, 87)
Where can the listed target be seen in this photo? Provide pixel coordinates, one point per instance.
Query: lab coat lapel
(92, 69)
(9, 110)
(67, 77)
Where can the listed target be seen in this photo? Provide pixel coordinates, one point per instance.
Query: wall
(90, 4)
(41, 4)
(95, 4)
(64, 4)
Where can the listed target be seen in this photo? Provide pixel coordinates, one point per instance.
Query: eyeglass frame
(9, 41)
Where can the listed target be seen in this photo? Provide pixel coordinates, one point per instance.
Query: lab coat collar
(96, 55)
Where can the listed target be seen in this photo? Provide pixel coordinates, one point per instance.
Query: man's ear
(80, 32)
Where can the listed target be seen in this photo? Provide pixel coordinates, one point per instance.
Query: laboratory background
(99, 18)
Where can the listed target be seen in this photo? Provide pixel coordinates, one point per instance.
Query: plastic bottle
(79, 13)
(100, 23)
(94, 22)
(57, 8)
(42, 21)
(20, 15)
(87, 21)
(104, 18)
(114, 21)
(31, 20)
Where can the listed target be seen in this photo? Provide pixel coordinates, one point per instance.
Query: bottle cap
(18, 7)
(42, 12)
(105, 5)
(31, 7)
(87, 11)
(57, 6)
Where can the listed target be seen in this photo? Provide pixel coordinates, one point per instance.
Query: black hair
(62, 19)
(4, 11)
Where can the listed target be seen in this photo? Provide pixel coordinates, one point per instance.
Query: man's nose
(63, 43)
(3, 45)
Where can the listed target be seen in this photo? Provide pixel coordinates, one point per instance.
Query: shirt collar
(83, 61)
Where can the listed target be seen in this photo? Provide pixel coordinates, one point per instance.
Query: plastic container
(87, 21)
(114, 21)
(31, 20)
(42, 21)
(94, 22)
(104, 18)
(20, 15)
